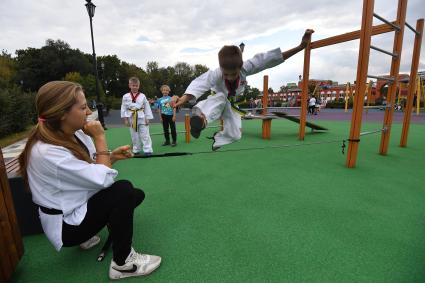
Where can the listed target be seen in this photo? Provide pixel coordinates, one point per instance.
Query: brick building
(328, 90)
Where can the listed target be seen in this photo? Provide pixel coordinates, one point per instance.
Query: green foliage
(57, 60)
(340, 103)
(23, 75)
(251, 92)
(53, 61)
(113, 102)
(7, 70)
(17, 110)
(89, 86)
(311, 87)
(74, 77)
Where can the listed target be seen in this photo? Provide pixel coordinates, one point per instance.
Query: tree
(7, 69)
(283, 88)
(17, 110)
(110, 75)
(182, 77)
(56, 60)
(312, 87)
(152, 67)
(51, 62)
(155, 76)
(74, 77)
(199, 70)
(251, 92)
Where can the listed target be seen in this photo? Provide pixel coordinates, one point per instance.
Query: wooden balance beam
(295, 119)
(267, 124)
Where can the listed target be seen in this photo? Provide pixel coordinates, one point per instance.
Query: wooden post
(412, 82)
(398, 91)
(267, 127)
(421, 91)
(362, 68)
(187, 127)
(265, 94)
(222, 124)
(304, 91)
(368, 94)
(418, 96)
(395, 67)
(11, 246)
(347, 96)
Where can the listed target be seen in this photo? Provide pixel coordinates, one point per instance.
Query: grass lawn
(289, 214)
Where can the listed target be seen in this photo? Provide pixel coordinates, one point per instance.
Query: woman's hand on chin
(93, 129)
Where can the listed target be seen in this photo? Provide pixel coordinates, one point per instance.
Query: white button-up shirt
(59, 180)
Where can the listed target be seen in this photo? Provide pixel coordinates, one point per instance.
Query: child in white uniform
(228, 81)
(136, 113)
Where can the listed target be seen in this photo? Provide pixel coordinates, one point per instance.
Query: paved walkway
(13, 150)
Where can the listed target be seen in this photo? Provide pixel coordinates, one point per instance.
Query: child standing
(228, 81)
(167, 115)
(136, 112)
(312, 105)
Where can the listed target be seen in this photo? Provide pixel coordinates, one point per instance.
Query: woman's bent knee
(125, 191)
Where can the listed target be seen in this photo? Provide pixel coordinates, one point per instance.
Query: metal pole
(98, 104)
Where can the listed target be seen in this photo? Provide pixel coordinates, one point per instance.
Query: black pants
(167, 121)
(114, 206)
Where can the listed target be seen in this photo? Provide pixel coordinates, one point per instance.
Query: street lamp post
(104, 82)
(90, 10)
(242, 46)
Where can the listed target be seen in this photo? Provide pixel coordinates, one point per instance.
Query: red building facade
(328, 90)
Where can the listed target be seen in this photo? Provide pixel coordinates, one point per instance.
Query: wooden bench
(12, 247)
(266, 124)
(26, 210)
(12, 167)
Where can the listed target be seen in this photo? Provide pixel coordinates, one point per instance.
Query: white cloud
(193, 31)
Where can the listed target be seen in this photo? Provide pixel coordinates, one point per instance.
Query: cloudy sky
(192, 31)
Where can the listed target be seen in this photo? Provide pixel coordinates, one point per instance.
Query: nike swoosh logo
(133, 269)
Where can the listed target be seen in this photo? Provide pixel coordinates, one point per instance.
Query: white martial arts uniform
(140, 135)
(61, 181)
(218, 106)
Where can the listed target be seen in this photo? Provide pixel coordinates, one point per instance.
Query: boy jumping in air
(228, 81)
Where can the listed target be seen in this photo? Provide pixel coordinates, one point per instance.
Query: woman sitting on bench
(67, 166)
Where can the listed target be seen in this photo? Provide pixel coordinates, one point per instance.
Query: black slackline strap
(343, 146)
(168, 154)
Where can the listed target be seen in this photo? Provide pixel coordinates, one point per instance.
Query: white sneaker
(135, 265)
(93, 241)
